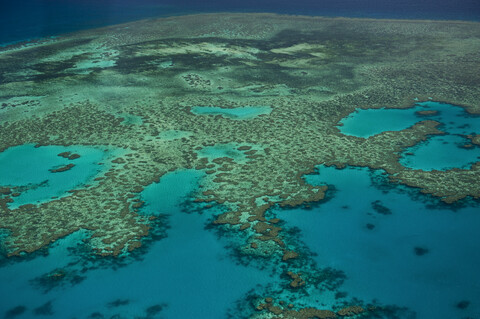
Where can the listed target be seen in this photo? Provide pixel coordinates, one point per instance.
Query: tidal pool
(177, 276)
(438, 152)
(36, 174)
(238, 113)
(393, 247)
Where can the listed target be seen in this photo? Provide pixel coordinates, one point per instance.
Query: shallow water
(393, 247)
(129, 119)
(185, 270)
(438, 152)
(223, 150)
(441, 152)
(238, 113)
(28, 170)
(173, 134)
(370, 122)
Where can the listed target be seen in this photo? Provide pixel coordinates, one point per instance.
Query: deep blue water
(27, 19)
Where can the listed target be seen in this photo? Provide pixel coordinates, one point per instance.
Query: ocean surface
(29, 19)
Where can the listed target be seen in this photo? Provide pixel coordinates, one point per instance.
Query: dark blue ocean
(27, 19)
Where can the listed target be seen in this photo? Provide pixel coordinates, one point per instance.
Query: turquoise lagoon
(395, 245)
(187, 274)
(238, 113)
(369, 122)
(441, 152)
(27, 169)
(438, 152)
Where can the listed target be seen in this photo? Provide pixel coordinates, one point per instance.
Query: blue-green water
(369, 122)
(368, 230)
(188, 271)
(223, 150)
(173, 134)
(396, 246)
(129, 119)
(238, 113)
(377, 247)
(438, 152)
(27, 170)
(441, 152)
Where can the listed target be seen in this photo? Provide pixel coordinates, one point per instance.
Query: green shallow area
(233, 151)
(173, 134)
(239, 113)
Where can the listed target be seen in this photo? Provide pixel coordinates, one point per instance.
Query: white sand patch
(217, 49)
(307, 48)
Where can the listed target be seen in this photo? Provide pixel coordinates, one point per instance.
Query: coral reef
(312, 72)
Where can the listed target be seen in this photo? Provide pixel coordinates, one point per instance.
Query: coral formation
(311, 72)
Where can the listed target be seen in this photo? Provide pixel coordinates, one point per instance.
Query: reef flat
(128, 87)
